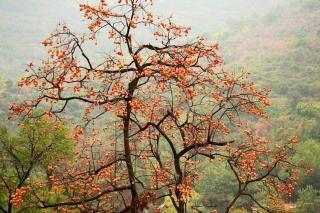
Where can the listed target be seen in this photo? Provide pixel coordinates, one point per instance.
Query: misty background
(25, 23)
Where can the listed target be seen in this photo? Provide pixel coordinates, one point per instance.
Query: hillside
(281, 50)
(282, 44)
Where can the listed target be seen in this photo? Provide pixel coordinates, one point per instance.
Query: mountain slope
(282, 51)
(280, 48)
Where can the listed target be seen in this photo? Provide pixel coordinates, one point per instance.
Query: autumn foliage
(154, 111)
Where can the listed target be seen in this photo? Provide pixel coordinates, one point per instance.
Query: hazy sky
(202, 15)
(25, 23)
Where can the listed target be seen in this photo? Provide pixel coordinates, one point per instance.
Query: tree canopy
(39, 144)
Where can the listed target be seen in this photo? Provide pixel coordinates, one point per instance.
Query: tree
(309, 200)
(308, 151)
(216, 192)
(40, 142)
(153, 112)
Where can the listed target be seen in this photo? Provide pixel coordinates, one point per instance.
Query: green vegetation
(309, 200)
(27, 155)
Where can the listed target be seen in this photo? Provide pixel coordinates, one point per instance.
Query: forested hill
(281, 49)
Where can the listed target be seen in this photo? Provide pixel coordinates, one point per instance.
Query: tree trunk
(233, 201)
(126, 144)
(126, 141)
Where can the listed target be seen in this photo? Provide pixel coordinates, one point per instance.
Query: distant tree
(309, 151)
(154, 111)
(308, 200)
(217, 192)
(40, 142)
